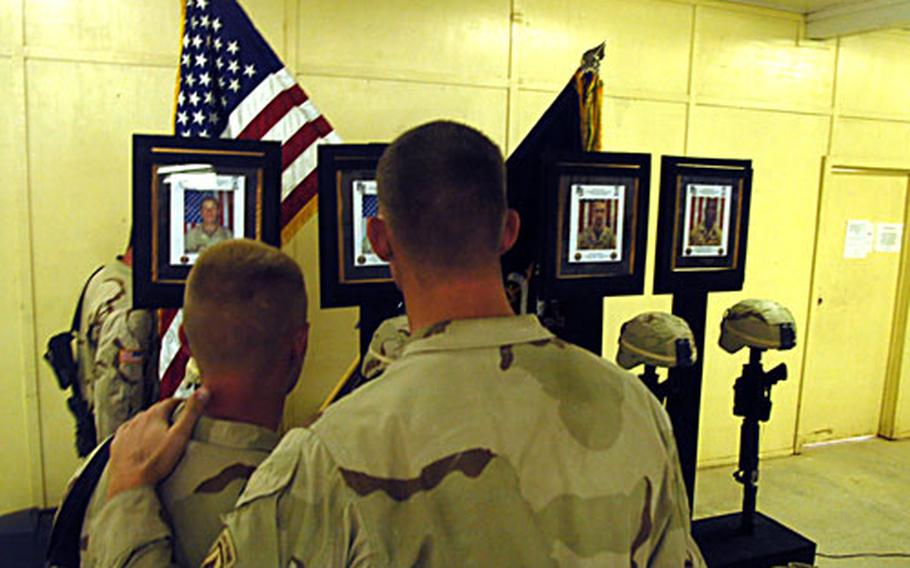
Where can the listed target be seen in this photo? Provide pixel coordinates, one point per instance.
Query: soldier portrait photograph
(706, 220)
(204, 222)
(596, 223)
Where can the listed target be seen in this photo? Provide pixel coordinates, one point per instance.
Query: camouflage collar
(235, 434)
(477, 333)
(232, 434)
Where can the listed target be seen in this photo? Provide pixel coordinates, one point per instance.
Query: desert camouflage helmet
(763, 324)
(656, 338)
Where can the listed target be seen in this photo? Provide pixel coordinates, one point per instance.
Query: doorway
(848, 371)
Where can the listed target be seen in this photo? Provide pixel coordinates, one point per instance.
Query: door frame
(832, 165)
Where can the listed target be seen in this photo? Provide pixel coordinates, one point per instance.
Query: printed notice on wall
(860, 235)
(888, 237)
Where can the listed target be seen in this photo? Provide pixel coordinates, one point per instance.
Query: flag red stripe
(302, 139)
(298, 198)
(272, 113)
(171, 378)
(165, 317)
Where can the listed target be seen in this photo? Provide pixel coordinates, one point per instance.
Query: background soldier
(706, 232)
(597, 235)
(245, 320)
(209, 231)
(116, 348)
(488, 442)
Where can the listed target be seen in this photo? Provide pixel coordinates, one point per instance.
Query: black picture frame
(703, 222)
(620, 182)
(174, 175)
(349, 274)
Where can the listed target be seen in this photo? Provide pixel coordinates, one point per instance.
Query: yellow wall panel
(149, 26)
(874, 74)
(8, 24)
(79, 156)
(334, 338)
(786, 152)
(657, 129)
(365, 110)
(527, 108)
(742, 57)
(443, 39)
(647, 42)
(876, 139)
(15, 478)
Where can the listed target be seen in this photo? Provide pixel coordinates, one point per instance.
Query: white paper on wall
(859, 238)
(888, 237)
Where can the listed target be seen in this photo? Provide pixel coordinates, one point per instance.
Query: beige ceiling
(798, 6)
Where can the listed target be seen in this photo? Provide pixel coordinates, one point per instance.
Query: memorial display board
(702, 224)
(351, 274)
(190, 193)
(596, 209)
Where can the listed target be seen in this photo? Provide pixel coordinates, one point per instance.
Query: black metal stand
(684, 403)
(723, 543)
(579, 320)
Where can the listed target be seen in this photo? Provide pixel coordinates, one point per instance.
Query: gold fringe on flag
(306, 213)
(590, 98)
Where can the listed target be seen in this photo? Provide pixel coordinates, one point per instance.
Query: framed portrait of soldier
(702, 224)
(189, 194)
(596, 214)
(351, 273)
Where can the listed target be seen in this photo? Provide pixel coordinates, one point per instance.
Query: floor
(850, 498)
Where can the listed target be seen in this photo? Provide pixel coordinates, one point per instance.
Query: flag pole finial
(590, 61)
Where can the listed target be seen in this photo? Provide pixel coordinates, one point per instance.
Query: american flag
(370, 206)
(232, 85)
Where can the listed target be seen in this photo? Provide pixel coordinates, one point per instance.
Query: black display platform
(722, 543)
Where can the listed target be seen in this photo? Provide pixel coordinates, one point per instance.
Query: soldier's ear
(378, 234)
(510, 231)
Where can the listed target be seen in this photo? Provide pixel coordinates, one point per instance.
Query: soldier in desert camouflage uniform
(488, 442)
(116, 347)
(262, 349)
(598, 235)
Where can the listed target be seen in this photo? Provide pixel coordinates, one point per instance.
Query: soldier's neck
(244, 399)
(477, 295)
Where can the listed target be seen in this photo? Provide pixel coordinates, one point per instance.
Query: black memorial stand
(584, 316)
(723, 542)
(684, 403)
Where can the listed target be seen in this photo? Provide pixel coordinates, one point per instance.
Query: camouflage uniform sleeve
(295, 511)
(124, 368)
(116, 540)
(674, 545)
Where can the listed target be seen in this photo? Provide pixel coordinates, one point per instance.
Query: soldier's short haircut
(442, 187)
(244, 302)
